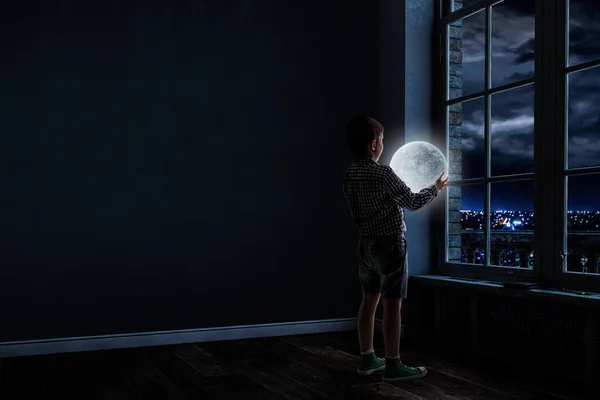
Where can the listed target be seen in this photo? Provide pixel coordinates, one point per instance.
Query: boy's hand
(439, 183)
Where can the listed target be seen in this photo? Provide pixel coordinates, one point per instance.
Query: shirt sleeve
(403, 196)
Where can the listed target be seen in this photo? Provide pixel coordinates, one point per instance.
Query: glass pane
(583, 224)
(513, 41)
(466, 62)
(466, 233)
(511, 224)
(458, 4)
(512, 131)
(584, 31)
(584, 119)
(465, 140)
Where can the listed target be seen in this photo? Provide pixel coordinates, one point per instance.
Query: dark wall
(543, 332)
(177, 164)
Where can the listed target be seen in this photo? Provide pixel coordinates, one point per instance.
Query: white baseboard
(163, 338)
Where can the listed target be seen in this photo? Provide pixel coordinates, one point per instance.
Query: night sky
(513, 46)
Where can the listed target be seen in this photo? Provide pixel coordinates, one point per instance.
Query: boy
(376, 198)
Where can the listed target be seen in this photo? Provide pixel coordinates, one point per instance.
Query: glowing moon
(418, 164)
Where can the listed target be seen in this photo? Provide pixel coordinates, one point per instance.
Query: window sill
(488, 286)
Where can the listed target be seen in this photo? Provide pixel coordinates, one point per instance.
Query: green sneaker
(370, 363)
(395, 370)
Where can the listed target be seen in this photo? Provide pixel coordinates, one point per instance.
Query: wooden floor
(320, 366)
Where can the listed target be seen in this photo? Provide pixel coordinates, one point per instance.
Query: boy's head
(364, 136)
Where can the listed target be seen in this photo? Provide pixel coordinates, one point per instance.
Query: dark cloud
(513, 54)
(516, 7)
(513, 42)
(473, 51)
(513, 103)
(583, 44)
(519, 76)
(584, 118)
(584, 31)
(475, 29)
(525, 53)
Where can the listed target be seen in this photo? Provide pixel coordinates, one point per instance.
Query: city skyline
(577, 220)
(512, 112)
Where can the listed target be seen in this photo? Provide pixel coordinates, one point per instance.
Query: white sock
(364, 353)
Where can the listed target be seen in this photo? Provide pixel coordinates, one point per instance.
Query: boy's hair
(360, 131)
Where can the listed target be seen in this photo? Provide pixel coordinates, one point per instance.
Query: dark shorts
(383, 265)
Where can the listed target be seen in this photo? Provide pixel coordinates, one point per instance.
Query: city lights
(582, 234)
(579, 220)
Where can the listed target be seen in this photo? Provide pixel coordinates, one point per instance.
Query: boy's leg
(371, 285)
(394, 274)
(366, 320)
(369, 362)
(391, 326)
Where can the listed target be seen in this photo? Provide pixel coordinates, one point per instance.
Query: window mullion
(549, 140)
(487, 133)
(559, 19)
(543, 148)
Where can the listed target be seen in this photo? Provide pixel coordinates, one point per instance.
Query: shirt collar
(365, 159)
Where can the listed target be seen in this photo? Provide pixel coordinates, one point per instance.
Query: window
(490, 120)
(522, 96)
(580, 175)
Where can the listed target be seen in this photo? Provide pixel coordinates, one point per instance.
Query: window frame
(550, 138)
(567, 280)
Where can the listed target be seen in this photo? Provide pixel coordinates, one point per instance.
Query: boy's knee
(395, 302)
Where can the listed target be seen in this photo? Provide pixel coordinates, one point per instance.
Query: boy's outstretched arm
(402, 194)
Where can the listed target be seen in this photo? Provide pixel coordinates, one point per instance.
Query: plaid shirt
(376, 198)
